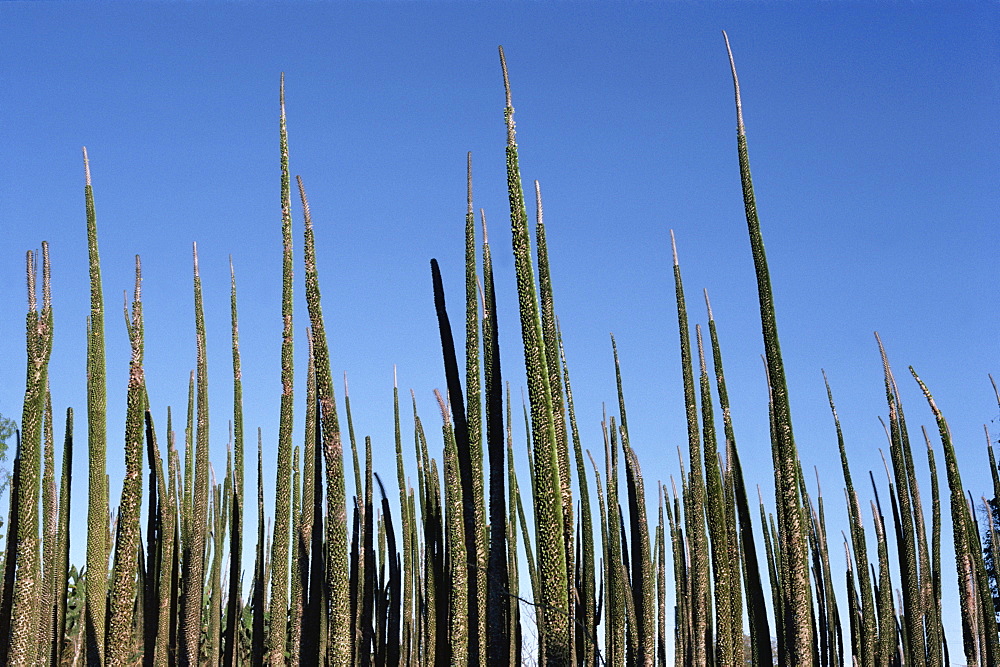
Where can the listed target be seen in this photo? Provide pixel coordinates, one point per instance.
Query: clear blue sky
(873, 141)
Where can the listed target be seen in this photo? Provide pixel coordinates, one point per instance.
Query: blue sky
(872, 138)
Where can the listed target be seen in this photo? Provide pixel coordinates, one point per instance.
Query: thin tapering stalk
(643, 575)
(194, 547)
(661, 581)
(640, 564)
(964, 532)
(587, 639)
(259, 577)
(333, 599)
(233, 608)
(615, 647)
(906, 537)
(887, 636)
(61, 573)
(29, 583)
(392, 654)
(512, 569)
(610, 631)
(408, 586)
(554, 627)
(47, 643)
(189, 450)
(175, 502)
(339, 649)
(729, 640)
(359, 487)
(124, 593)
(798, 637)
(695, 512)
(97, 505)
(936, 637)
(310, 539)
(464, 461)
(277, 634)
(682, 638)
(748, 563)
(554, 368)
(434, 636)
(164, 590)
(868, 628)
(366, 648)
(473, 502)
(459, 622)
(219, 511)
(151, 571)
(295, 604)
(770, 551)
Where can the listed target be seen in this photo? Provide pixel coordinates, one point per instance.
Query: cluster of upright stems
(441, 582)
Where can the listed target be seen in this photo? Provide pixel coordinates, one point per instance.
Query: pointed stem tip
(736, 86)
(306, 213)
(138, 277)
(509, 109)
(506, 79)
(443, 406)
(86, 165)
(47, 277)
(468, 171)
(538, 204)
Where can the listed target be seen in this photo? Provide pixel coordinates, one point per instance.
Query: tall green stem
(554, 627)
(798, 637)
(97, 443)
